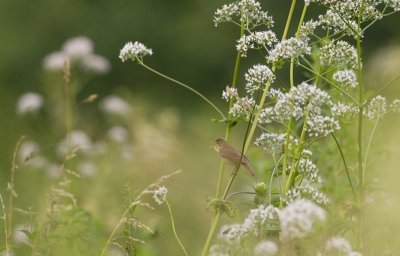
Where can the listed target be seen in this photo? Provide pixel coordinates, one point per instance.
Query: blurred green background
(168, 121)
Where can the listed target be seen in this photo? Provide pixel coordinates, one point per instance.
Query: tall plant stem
(183, 85)
(360, 187)
(173, 228)
(267, 85)
(217, 214)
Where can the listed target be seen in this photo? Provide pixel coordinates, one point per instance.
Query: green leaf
(27, 233)
(127, 233)
(2, 248)
(219, 120)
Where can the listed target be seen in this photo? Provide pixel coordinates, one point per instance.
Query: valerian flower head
(133, 51)
(341, 54)
(297, 101)
(376, 108)
(257, 77)
(298, 218)
(338, 246)
(395, 106)
(274, 143)
(229, 94)
(307, 29)
(255, 40)
(289, 48)
(243, 108)
(29, 103)
(309, 169)
(347, 78)
(266, 248)
(340, 109)
(395, 4)
(249, 12)
(262, 217)
(305, 192)
(319, 125)
(160, 195)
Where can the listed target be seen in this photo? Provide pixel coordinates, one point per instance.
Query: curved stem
(183, 85)
(173, 227)
(345, 167)
(369, 143)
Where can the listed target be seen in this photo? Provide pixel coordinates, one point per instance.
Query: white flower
(309, 169)
(29, 102)
(289, 48)
(228, 95)
(262, 39)
(341, 54)
(376, 108)
(338, 246)
(133, 51)
(266, 248)
(340, 109)
(274, 143)
(249, 11)
(298, 218)
(231, 233)
(257, 77)
(119, 134)
(395, 106)
(262, 217)
(96, 63)
(160, 195)
(307, 192)
(54, 61)
(87, 168)
(347, 78)
(115, 105)
(318, 125)
(78, 47)
(79, 139)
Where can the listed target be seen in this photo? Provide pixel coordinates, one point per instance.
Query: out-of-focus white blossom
(338, 246)
(115, 105)
(266, 248)
(376, 108)
(96, 63)
(29, 102)
(78, 47)
(54, 61)
(78, 139)
(298, 218)
(119, 134)
(87, 168)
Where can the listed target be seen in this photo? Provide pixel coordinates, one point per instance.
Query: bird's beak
(213, 146)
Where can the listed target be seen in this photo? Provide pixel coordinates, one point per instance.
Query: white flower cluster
(249, 12)
(318, 125)
(307, 29)
(395, 4)
(79, 51)
(347, 78)
(243, 108)
(257, 77)
(376, 108)
(309, 169)
(339, 246)
(305, 192)
(265, 217)
(274, 143)
(160, 195)
(296, 103)
(340, 109)
(340, 53)
(298, 218)
(133, 51)
(395, 106)
(261, 38)
(266, 248)
(289, 48)
(114, 105)
(229, 94)
(29, 103)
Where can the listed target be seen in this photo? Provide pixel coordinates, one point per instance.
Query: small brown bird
(231, 155)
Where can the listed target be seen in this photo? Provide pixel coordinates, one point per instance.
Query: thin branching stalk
(183, 85)
(173, 228)
(360, 186)
(12, 194)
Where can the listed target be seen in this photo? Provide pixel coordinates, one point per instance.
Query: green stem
(173, 227)
(217, 215)
(266, 89)
(181, 84)
(360, 130)
(369, 144)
